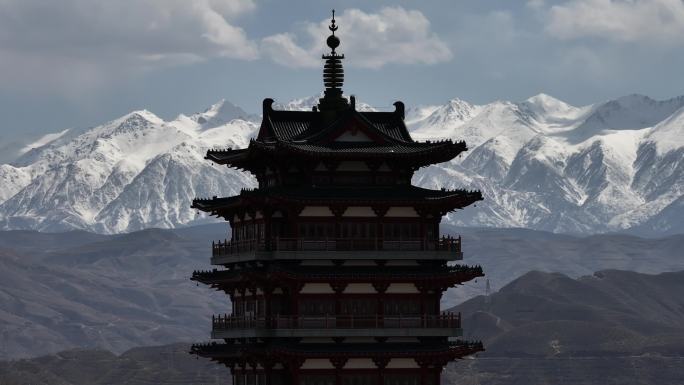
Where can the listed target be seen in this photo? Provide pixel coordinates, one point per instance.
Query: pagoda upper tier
(333, 136)
(435, 202)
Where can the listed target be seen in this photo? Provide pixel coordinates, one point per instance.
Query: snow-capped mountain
(134, 172)
(541, 163)
(544, 164)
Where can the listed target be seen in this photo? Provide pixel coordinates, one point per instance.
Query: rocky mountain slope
(114, 292)
(541, 164)
(610, 312)
(506, 254)
(161, 365)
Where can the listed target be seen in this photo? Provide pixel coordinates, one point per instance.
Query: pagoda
(335, 264)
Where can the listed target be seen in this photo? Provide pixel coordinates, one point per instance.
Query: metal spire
(333, 73)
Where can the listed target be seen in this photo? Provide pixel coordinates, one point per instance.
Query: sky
(79, 63)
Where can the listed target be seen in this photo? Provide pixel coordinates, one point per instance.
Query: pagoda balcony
(284, 326)
(445, 248)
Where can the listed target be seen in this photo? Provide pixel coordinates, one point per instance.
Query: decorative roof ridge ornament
(333, 74)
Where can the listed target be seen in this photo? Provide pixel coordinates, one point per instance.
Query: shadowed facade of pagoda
(335, 266)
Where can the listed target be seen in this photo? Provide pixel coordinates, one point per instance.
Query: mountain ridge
(541, 163)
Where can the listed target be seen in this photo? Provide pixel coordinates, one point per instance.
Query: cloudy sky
(76, 63)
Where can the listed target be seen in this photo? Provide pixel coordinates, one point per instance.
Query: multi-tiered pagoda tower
(335, 265)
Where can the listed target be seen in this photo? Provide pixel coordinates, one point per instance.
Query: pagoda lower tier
(345, 362)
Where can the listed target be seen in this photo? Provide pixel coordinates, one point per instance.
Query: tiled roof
(285, 125)
(353, 192)
(389, 123)
(353, 147)
(388, 194)
(434, 152)
(310, 134)
(343, 272)
(306, 125)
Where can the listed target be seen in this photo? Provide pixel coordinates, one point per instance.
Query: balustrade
(448, 244)
(442, 321)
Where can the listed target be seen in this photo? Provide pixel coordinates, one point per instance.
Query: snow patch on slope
(43, 140)
(668, 135)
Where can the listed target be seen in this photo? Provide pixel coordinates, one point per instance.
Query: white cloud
(283, 49)
(74, 45)
(657, 21)
(392, 35)
(536, 4)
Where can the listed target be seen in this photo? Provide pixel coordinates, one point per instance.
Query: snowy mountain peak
(220, 113)
(550, 114)
(457, 104)
(459, 108)
(307, 103)
(543, 103)
(300, 104)
(454, 111)
(137, 116)
(136, 120)
(542, 98)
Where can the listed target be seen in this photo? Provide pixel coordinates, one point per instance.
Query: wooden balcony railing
(442, 321)
(449, 244)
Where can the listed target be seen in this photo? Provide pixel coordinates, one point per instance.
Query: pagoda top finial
(333, 41)
(332, 26)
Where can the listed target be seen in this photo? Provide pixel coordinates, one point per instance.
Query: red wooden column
(254, 373)
(243, 371)
(338, 363)
(381, 363)
(294, 297)
(231, 296)
(380, 212)
(422, 288)
(381, 288)
(293, 212)
(268, 370)
(423, 363)
(267, 213)
(338, 288)
(241, 229)
(338, 211)
(422, 213)
(253, 290)
(438, 294)
(268, 297)
(243, 301)
(295, 366)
